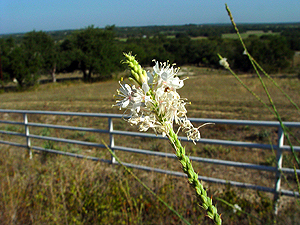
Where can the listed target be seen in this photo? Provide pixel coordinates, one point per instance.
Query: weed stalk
(144, 185)
(274, 111)
(188, 169)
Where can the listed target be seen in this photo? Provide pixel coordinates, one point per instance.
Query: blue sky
(27, 15)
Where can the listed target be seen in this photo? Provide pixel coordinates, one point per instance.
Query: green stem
(276, 85)
(145, 186)
(297, 181)
(193, 178)
(254, 62)
(245, 86)
(255, 65)
(232, 206)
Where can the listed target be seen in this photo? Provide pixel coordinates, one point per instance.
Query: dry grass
(249, 33)
(212, 96)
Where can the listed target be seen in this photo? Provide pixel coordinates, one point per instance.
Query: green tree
(203, 52)
(271, 51)
(68, 60)
(96, 52)
(26, 60)
(43, 44)
(23, 66)
(293, 38)
(148, 48)
(178, 47)
(6, 46)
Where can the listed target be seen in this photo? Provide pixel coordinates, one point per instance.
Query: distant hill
(192, 30)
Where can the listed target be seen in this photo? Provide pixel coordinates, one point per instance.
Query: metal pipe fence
(280, 147)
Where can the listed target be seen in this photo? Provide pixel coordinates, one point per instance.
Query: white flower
(132, 98)
(236, 208)
(223, 62)
(154, 102)
(125, 92)
(171, 81)
(140, 99)
(144, 123)
(186, 126)
(150, 77)
(145, 87)
(168, 76)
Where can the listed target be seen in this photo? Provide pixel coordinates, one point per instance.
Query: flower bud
(135, 76)
(223, 62)
(143, 77)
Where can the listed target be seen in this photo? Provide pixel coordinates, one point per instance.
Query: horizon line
(143, 26)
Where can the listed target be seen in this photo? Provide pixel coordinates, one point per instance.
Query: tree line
(97, 52)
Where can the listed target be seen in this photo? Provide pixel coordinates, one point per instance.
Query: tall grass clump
(258, 69)
(65, 190)
(270, 106)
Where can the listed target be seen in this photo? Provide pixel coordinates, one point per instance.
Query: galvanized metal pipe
(280, 147)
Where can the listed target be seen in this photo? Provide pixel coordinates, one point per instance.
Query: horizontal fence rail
(279, 147)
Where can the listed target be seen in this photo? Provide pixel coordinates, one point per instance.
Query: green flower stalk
(139, 75)
(154, 103)
(187, 168)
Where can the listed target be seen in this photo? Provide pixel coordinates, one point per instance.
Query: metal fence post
(111, 138)
(27, 136)
(278, 168)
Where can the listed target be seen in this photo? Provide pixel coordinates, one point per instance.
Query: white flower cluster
(153, 100)
(236, 208)
(223, 62)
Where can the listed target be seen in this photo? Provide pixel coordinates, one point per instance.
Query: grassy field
(211, 95)
(249, 33)
(226, 35)
(59, 190)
